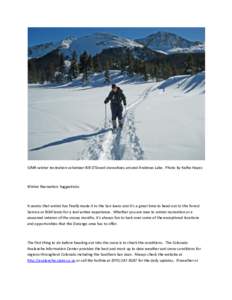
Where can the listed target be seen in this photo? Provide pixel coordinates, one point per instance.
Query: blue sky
(38, 35)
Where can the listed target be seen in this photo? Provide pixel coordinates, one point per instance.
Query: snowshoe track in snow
(135, 148)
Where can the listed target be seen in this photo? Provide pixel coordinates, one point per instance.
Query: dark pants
(116, 111)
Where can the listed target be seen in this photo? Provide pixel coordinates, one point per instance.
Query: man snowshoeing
(116, 97)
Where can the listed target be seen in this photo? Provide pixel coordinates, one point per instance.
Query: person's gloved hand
(105, 101)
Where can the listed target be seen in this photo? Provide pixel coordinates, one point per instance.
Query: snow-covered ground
(163, 120)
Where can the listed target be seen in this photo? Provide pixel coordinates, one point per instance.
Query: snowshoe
(120, 124)
(114, 130)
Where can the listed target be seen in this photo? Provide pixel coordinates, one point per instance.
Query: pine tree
(130, 63)
(107, 73)
(85, 76)
(174, 71)
(90, 65)
(189, 65)
(86, 66)
(145, 73)
(153, 71)
(61, 63)
(137, 67)
(97, 65)
(50, 71)
(83, 62)
(167, 71)
(32, 72)
(73, 71)
(122, 67)
(74, 55)
(41, 76)
(110, 63)
(60, 73)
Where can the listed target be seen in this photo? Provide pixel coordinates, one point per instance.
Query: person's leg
(114, 124)
(114, 115)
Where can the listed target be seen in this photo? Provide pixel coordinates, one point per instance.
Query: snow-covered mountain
(93, 44)
(198, 48)
(170, 43)
(42, 49)
(163, 42)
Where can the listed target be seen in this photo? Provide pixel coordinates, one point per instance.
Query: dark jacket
(116, 98)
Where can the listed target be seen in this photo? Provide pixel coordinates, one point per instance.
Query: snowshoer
(116, 97)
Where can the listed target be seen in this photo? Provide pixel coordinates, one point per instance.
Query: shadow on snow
(95, 81)
(72, 139)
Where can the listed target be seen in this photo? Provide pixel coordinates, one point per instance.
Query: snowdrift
(186, 83)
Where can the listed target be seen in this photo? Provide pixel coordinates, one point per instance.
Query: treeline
(150, 64)
(54, 67)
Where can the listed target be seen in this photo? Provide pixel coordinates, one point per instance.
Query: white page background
(210, 279)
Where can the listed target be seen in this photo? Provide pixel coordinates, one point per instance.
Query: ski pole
(105, 115)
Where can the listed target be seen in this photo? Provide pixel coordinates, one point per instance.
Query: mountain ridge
(170, 43)
(163, 42)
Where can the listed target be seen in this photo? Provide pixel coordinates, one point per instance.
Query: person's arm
(108, 98)
(123, 98)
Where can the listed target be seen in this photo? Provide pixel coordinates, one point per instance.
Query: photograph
(116, 93)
